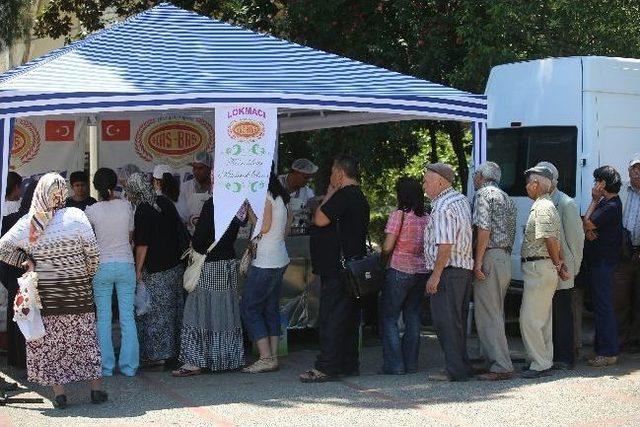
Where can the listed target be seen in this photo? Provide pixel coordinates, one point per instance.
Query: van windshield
(517, 149)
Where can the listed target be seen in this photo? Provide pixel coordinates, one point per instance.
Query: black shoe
(60, 401)
(352, 373)
(99, 396)
(531, 374)
(562, 366)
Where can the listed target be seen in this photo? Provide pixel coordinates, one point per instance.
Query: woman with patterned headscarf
(59, 245)
(158, 266)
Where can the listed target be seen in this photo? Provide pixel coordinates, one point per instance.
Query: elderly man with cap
(572, 244)
(627, 274)
(448, 257)
(195, 192)
(542, 265)
(296, 183)
(494, 216)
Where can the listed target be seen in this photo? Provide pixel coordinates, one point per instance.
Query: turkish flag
(116, 130)
(59, 130)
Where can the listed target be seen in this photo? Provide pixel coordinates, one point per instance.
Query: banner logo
(26, 143)
(245, 130)
(173, 139)
(59, 130)
(116, 130)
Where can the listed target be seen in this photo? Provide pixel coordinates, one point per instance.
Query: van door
(516, 150)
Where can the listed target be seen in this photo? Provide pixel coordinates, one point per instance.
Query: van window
(517, 149)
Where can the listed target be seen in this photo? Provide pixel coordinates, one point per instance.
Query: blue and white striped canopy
(169, 58)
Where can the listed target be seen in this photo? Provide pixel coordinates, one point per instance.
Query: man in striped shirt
(449, 259)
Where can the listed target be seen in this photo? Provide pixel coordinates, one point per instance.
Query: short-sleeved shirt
(82, 205)
(543, 223)
(112, 221)
(158, 231)
(495, 211)
(631, 214)
(607, 217)
(450, 223)
(348, 208)
(408, 252)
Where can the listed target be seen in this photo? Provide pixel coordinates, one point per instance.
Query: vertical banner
(245, 144)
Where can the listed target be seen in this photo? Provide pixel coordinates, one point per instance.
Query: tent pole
(93, 152)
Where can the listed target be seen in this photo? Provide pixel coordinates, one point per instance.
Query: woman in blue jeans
(261, 296)
(405, 279)
(112, 221)
(603, 233)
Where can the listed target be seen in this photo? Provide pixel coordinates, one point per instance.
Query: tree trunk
(433, 141)
(456, 132)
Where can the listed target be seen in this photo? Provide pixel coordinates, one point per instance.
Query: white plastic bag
(142, 300)
(26, 308)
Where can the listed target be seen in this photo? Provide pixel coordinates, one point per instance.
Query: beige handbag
(248, 256)
(195, 263)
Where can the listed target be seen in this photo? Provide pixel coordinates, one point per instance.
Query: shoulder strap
(211, 247)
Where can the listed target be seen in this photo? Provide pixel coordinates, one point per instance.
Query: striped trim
(169, 58)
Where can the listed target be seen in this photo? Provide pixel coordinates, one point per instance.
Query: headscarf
(50, 195)
(139, 190)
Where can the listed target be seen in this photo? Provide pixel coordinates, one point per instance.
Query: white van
(578, 113)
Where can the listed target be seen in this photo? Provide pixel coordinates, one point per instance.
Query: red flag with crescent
(59, 130)
(116, 130)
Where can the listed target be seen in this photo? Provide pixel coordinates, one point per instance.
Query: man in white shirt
(626, 277)
(296, 183)
(195, 192)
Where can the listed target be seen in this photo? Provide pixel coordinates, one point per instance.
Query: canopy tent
(170, 59)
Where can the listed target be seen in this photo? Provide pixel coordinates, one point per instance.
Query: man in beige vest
(542, 267)
(572, 243)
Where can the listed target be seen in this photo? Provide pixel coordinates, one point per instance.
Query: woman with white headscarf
(158, 265)
(59, 245)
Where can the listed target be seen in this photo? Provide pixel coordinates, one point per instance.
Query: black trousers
(339, 324)
(563, 341)
(449, 310)
(16, 349)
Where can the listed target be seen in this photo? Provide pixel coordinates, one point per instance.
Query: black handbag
(362, 275)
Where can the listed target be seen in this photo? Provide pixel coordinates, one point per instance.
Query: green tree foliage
(450, 42)
(15, 21)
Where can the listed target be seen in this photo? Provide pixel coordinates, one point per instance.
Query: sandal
(315, 376)
(184, 372)
(60, 401)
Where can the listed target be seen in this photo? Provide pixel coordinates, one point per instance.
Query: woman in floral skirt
(158, 266)
(59, 245)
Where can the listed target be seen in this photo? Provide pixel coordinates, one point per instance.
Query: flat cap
(442, 169)
(304, 166)
(540, 170)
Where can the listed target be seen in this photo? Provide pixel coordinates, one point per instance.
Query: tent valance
(169, 58)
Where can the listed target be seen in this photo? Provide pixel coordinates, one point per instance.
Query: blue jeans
(600, 279)
(401, 292)
(260, 302)
(122, 275)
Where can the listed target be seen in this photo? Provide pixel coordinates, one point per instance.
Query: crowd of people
(134, 236)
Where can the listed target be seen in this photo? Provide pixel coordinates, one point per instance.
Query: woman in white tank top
(262, 289)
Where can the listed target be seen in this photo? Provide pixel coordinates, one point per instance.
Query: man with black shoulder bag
(346, 205)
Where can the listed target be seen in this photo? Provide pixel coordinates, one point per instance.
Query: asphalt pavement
(585, 396)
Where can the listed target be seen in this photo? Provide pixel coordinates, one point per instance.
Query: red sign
(59, 130)
(116, 130)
